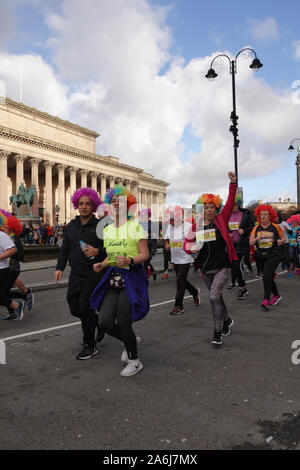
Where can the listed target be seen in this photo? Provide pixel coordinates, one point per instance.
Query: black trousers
(115, 319)
(78, 297)
(4, 299)
(269, 266)
(182, 271)
(237, 270)
(12, 276)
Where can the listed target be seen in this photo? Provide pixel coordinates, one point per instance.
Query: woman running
(121, 296)
(294, 222)
(268, 238)
(285, 248)
(215, 254)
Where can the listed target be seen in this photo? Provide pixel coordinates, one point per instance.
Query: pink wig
(294, 218)
(90, 193)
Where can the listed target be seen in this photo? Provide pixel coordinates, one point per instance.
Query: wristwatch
(131, 262)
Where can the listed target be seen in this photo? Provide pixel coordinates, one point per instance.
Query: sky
(134, 71)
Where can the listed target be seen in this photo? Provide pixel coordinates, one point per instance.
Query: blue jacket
(136, 286)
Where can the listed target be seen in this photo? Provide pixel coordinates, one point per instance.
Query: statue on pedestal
(23, 196)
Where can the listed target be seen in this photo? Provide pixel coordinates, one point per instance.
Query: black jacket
(81, 266)
(247, 224)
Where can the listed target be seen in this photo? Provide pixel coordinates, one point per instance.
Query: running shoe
(275, 299)
(20, 309)
(197, 298)
(132, 368)
(230, 286)
(165, 275)
(177, 311)
(242, 293)
(227, 324)
(124, 357)
(12, 317)
(265, 304)
(87, 352)
(217, 338)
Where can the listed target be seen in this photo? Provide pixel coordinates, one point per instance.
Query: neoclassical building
(58, 157)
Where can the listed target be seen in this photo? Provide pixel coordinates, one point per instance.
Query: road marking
(68, 325)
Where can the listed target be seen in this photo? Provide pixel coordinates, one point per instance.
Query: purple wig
(93, 195)
(6, 213)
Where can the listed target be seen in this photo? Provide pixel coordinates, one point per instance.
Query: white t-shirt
(285, 226)
(5, 244)
(177, 235)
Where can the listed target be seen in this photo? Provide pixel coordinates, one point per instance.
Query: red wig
(14, 225)
(268, 208)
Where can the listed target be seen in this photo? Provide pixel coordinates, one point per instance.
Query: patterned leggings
(215, 284)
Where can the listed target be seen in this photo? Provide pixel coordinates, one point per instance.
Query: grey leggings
(215, 284)
(115, 319)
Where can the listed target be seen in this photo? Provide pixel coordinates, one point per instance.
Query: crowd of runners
(109, 247)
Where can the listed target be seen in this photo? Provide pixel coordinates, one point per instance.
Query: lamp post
(255, 65)
(297, 163)
(57, 209)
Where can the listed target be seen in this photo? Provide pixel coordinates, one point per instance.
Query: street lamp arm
(220, 55)
(251, 51)
(294, 141)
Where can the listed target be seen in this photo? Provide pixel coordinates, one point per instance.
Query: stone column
(35, 182)
(72, 172)
(19, 170)
(134, 189)
(83, 178)
(3, 172)
(61, 193)
(102, 186)
(94, 180)
(48, 192)
(111, 181)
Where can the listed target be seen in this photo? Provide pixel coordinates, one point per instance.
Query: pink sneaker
(265, 304)
(275, 299)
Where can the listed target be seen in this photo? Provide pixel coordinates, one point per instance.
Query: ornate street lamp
(57, 209)
(297, 163)
(255, 65)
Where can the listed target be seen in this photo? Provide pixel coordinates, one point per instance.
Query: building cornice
(113, 162)
(48, 117)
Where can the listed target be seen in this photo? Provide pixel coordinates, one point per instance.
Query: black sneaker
(217, 339)
(231, 286)
(227, 324)
(87, 352)
(242, 293)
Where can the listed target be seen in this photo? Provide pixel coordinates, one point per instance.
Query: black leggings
(269, 266)
(4, 299)
(115, 319)
(12, 276)
(237, 270)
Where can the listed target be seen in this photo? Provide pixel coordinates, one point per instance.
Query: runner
(7, 249)
(121, 297)
(285, 248)
(175, 234)
(82, 248)
(215, 253)
(294, 222)
(240, 226)
(268, 238)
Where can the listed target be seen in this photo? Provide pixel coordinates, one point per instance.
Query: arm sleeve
(63, 254)
(227, 210)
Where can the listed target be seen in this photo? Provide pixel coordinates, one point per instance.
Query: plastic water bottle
(83, 246)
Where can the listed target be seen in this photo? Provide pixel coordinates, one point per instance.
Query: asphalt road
(190, 394)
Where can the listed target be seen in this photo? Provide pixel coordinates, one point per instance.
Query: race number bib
(175, 244)
(266, 241)
(206, 235)
(234, 225)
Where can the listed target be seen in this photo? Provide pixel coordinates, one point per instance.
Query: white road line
(9, 338)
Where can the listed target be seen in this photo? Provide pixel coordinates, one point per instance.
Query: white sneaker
(124, 357)
(132, 368)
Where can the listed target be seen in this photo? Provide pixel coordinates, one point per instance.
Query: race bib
(176, 244)
(234, 225)
(112, 259)
(206, 235)
(263, 244)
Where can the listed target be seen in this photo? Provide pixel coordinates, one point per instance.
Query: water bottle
(83, 246)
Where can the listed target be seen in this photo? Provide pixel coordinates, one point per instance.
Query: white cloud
(123, 83)
(264, 29)
(296, 46)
